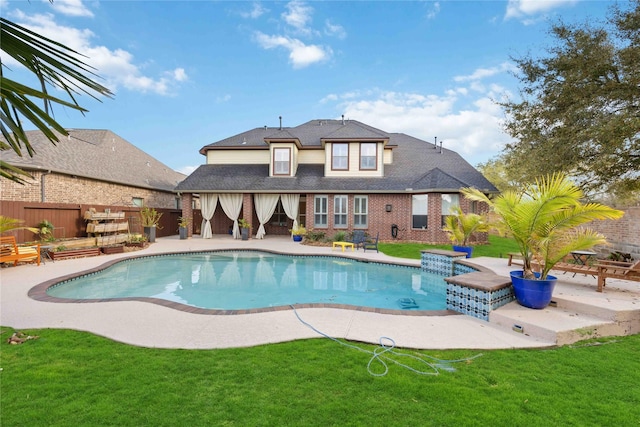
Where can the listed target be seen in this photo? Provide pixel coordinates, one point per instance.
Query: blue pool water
(236, 280)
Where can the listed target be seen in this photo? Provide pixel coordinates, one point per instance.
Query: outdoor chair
(358, 238)
(10, 252)
(617, 270)
(371, 244)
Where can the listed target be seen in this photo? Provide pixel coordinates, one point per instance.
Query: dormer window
(339, 156)
(368, 156)
(282, 161)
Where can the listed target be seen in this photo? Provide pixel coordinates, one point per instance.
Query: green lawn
(69, 378)
(498, 247)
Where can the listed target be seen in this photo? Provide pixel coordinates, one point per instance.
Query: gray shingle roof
(418, 166)
(97, 154)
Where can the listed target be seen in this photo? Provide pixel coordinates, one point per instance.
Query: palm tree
(461, 226)
(10, 224)
(544, 218)
(54, 65)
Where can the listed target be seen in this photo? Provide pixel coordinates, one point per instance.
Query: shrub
(340, 236)
(315, 236)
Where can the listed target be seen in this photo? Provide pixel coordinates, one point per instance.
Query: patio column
(187, 211)
(247, 211)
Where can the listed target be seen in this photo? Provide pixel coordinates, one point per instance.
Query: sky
(186, 74)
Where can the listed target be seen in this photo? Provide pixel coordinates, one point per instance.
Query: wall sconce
(388, 208)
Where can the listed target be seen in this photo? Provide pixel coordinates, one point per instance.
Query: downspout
(43, 195)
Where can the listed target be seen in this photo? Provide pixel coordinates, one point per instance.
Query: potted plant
(245, 227)
(45, 230)
(136, 240)
(460, 226)
(150, 219)
(183, 227)
(544, 218)
(298, 233)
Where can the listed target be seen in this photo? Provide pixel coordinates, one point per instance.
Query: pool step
(563, 325)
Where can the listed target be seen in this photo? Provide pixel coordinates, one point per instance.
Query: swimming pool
(247, 280)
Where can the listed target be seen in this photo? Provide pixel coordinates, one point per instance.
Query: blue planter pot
(533, 293)
(466, 249)
(297, 238)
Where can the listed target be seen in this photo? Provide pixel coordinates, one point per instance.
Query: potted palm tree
(150, 219)
(183, 227)
(245, 227)
(545, 219)
(460, 226)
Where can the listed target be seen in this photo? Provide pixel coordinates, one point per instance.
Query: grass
(498, 247)
(76, 378)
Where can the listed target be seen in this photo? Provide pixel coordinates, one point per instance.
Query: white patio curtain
(265, 205)
(231, 205)
(208, 203)
(291, 203)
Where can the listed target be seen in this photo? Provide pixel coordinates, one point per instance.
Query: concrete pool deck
(151, 325)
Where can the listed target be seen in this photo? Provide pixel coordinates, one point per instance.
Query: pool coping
(39, 291)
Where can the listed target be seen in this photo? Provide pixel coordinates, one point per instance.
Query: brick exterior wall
(59, 188)
(623, 235)
(381, 221)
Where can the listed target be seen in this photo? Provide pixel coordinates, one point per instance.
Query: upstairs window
(368, 156)
(282, 161)
(340, 156)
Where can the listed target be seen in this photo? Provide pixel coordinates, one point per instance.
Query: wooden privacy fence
(68, 219)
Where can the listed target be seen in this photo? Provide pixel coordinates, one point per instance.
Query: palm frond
(53, 64)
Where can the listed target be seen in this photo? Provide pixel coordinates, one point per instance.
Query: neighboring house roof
(96, 154)
(418, 166)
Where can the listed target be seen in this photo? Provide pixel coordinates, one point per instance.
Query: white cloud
(334, 30)
(180, 75)
(528, 8)
(298, 15)
(300, 55)
(433, 10)
(71, 8)
(117, 67)
(187, 170)
(256, 11)
(467, 121)
(223, 98)
(482, 73)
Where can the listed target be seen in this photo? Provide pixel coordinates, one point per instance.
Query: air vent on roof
(149, 164)
(280, 122)
(244, 141)
(343, 119)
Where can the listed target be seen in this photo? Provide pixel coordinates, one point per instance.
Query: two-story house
(330, 175)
